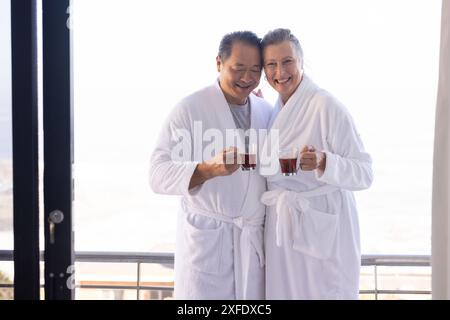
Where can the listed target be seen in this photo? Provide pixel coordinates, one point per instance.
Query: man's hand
(310, 159)
(223, 164)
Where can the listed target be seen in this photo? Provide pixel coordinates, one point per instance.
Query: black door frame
(25, 148)
(58, 150)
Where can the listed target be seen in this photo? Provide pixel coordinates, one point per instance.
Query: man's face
(240, 73)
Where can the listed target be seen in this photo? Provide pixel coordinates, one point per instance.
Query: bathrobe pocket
(314, 232)
(203, 247)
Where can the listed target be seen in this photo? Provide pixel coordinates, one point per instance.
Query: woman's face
(283, 68)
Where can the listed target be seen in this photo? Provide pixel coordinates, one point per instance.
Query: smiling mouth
(284, 81)
(241, 86)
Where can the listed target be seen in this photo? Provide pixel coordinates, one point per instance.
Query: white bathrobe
(312, 237)
(219, 244)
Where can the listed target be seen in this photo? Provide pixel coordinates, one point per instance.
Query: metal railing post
(376, 281)
(138, 280)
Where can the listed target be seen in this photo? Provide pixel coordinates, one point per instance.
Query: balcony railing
(375, 261)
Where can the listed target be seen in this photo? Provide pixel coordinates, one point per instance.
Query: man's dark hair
(247, 37)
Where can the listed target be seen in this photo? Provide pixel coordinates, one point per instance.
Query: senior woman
(312, 233)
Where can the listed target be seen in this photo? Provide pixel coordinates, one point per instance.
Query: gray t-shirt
(241, 115)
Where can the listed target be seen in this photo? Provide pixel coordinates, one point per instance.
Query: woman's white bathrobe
(314, 218)
(219, 245)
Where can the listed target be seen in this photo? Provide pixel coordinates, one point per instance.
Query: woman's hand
(310, 159)
(258, 93)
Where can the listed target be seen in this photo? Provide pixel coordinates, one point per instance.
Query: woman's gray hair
(280, 35)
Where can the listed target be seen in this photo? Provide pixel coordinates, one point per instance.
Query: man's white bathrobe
(312, 237)
(219, 244)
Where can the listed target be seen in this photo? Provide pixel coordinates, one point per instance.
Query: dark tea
(249, 162)
(288, 167)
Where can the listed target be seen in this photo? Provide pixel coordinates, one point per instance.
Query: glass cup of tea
(248, 157)
(288, 161)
